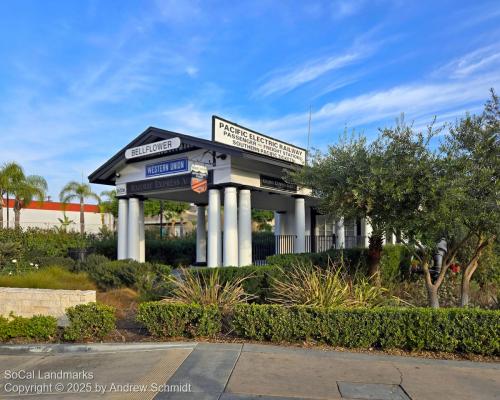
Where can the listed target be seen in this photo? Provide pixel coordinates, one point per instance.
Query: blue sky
(78, 80)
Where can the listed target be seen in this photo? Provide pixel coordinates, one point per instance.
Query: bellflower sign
(237, 136)
(153, 148)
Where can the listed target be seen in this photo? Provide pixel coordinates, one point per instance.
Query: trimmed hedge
(450, 330)
(89, 321)
(177, 319)
(393, 257)
(258, 279)
(38, 327)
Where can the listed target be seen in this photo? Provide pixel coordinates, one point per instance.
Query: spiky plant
(312, 286)
(191, 288)
(328, 287)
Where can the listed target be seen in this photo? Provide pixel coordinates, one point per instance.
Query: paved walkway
(234, 372)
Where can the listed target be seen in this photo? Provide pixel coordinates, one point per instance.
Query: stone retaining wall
(28, 302)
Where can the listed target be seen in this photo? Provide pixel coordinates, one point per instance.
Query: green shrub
(153, 282)
(53, 261)
(394, 259)
(38, 327)
(488, 269)
(91, 262)
(48, 278)
(257, 280)
(178, 319)
(37, 242)
(89, 321)
(9, 250)
(177, 252)
(353, 259)
(393, 256)
(115, 274)
(450, 330)
(150, 279)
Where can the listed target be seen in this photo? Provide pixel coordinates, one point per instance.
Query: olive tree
(472, 159)
(344, 178)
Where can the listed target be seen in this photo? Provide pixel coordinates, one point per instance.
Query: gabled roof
(106, 173)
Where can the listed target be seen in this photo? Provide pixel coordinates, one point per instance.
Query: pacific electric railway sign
(237, 136)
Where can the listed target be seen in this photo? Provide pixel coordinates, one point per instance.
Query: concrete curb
(91, 348)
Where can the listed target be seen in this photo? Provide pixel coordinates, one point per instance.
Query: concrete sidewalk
(234, 371)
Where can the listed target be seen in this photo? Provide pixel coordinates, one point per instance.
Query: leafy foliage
(459, 330)
(38, 327)
(179, 319)
(171, 209)
(89, 321)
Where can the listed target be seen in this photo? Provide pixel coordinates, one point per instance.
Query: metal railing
(355, 241)
(264, 246)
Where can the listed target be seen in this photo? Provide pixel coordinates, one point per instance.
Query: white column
(230, 247)
(366, 232)
(245, 228)
(340, 233)
(142, 236)
(201, 235)
(214, 234)
(300, 226)
(122, 228)
(278, 231)
(133, 229)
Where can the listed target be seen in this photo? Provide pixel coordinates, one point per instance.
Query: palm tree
(24, 188)
(78, 191)
(109, 206)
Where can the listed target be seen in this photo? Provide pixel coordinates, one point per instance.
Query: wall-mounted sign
(153, 148)
(156, 184)
(167, 167)
(121, 189)
(199, 178)
(237, 136)
(277, 183)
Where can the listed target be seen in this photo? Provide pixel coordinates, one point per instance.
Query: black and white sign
(153, 148)
(237, 136)
(277, 183)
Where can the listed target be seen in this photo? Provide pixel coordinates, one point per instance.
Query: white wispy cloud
(480, 60)
(419, 101)
(284, 81)
(346, 8)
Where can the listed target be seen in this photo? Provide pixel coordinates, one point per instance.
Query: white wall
(46, 219)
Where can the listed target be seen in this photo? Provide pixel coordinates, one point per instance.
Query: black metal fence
(266, 245)
(354, 241)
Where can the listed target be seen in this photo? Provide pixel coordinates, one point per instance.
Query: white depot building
(226, 177)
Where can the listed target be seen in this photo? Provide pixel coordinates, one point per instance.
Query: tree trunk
(374, 256)
(433, 297)
(82, 217)
(464, 295)
(8, 211)
(1, 212)
(432, 288)
(17, 217)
